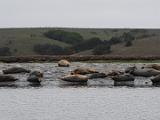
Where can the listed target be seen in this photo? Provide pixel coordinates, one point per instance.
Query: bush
(5, 51)
(47, 49)
(88, 44)
(115, 40)
(138, 31)
(15, 50)
(128, 38)
(69, 51)
(102, 49)
(64, 36)
(128, 43)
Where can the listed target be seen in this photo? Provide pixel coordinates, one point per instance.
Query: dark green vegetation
(5, 51)
(64, 36)
(76, 41)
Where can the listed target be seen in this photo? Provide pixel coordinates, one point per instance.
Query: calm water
(98, 100)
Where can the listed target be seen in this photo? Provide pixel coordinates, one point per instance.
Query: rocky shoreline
(80, 73)
(83, 74)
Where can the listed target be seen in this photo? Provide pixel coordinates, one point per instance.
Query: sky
(80, 13)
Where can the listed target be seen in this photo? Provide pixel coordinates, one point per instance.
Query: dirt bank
(46, 58)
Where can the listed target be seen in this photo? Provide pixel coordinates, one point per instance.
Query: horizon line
(36, 27)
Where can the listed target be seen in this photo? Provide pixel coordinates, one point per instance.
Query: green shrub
(47, 49)
(128, 38)
(115, 40)
(88, 44)
(128, 43)
(5, 51)
(102, 49)
(64, 36)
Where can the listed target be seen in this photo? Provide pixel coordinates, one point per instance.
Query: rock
(6, 78)
(97, 75)
(35, 77)
(154, 66)
(130, 69)
(15, 70)
(75, 78)
(37, 73)
(84, 71)
(146, 72)
(123, 77)
(156, 80)
(63, 63)
(114, 73)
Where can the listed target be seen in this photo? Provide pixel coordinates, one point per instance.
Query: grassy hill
(21, 41)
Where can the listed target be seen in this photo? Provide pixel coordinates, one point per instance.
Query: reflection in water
(128, 83)
(8, 85)
(100, 82)
(64, 84)
(96, 83)
(34, 85)
(156, 84)
(72, 85)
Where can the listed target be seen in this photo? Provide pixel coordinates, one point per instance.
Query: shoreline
(81, 58)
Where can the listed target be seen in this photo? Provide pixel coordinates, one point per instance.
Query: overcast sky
(80, 13)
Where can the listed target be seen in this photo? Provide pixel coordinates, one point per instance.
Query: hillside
(21, 41)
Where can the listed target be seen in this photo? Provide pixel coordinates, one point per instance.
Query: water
(55, 100)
